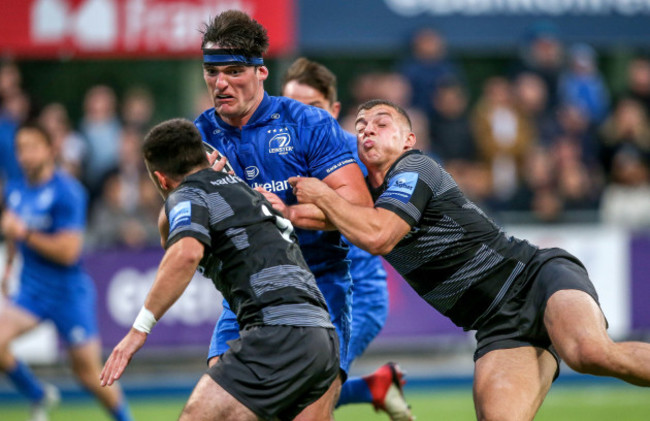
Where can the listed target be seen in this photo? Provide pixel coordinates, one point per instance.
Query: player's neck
(44, 174)
(242, 120)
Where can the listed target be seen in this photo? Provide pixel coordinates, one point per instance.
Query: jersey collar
(376, 192)
(259, 116)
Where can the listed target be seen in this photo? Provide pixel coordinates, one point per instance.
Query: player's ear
(162, 180)
(262, 72)
(410, 141)
(336, 109)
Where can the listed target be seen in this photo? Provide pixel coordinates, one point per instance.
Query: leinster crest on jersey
(280, 142)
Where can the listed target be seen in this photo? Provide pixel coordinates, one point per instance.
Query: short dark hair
(36, 126)
(235, 29)
(312, 74)
(174, 147)
(376, 102)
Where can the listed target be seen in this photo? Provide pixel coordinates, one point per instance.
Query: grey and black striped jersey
(251, 253)
(455, 256)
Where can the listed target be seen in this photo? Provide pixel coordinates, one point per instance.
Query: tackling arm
(347, 181)
(376, 230)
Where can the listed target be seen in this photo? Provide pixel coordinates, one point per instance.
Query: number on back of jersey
(283, 224)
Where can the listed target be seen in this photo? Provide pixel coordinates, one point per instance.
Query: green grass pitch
(565, 403)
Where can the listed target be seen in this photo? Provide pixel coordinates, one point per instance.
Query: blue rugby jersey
(285, 138)
(55, 205)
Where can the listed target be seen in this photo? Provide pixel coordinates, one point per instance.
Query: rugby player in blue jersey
(530, 307)
(45, 217)
(269, 139)
(314, 84)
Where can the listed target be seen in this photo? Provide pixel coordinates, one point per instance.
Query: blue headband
(225, 56)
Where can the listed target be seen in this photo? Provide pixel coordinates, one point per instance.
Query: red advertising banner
(129, 28)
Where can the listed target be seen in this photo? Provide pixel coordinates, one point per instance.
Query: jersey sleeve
(188, 215)
(327, 147)
(70, 206)
(410, 188)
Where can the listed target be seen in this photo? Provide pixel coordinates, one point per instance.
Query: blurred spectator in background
(394, 87)
(571, 121)
(114, 225)
(504, 136)
(536, 192)
(626, 200)
(137, 108)
(627, 126)
(101, 128)
(578, 185)
(638, 81)
(531, 97)
(453, 143)
(122, 217)
(69, 147)
(582, 85)
(452, 137)
(426, 66)
(15, 109)
(542, 53)
(10, 79)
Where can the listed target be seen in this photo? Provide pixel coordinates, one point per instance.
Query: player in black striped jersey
(286, 358)
(529, 306)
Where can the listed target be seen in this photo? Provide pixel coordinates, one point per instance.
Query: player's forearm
(309, 216)
(63, 248)
(174, 275)
(361, 225)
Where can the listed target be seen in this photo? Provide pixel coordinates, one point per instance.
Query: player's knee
(588, 357)
(190, 411)
(496, 413)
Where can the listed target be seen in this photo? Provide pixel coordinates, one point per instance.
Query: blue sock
(25, 381)
(122, 412)
(354, 390)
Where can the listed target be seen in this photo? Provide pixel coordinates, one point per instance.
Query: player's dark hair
(235, 29)
(174, 147)
(376, 102)
(34, 125)
(312, 74)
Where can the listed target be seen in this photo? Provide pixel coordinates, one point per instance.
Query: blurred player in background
(314, 84)
(45, 216)
(530, 307)
(269, 139)
(286, 357)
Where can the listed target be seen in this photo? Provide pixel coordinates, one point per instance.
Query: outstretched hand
(121, 356)
(308, 189)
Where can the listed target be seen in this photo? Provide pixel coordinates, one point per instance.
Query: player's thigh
(86, 357)
(510, 384)
(575, 324)
(14, 320)
(209, 401)
(323, 408)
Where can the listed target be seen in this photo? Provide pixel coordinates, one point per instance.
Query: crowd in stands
(548, 139)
